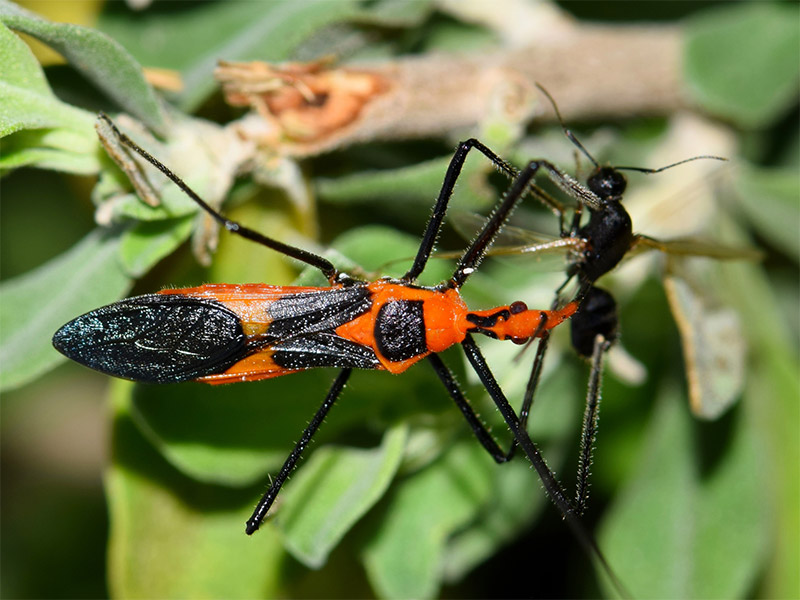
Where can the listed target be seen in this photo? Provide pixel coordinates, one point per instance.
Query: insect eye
(607, 182)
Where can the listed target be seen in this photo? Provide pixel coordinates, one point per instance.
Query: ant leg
(530, 388)
(590, 418)
(533, 380)
(483, 435)
(107, 128)
(263, 506)
(556, 207)
(571, 186)
(576, 221)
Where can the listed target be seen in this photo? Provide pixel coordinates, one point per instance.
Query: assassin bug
(225, 333)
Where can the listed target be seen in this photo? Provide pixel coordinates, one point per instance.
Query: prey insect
(226, 333)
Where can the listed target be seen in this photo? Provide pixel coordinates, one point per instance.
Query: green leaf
(335, 488)
(58, 149)
(771, 402)
(386, 251)
(218, 435)
(45, 158)
(173, 537)
(776, 378)
(517, 497)
(205, 156)
(38, 128)
(769, 198)
(405, 557)
(238, 260)
(697, 533)
(230, 30)
(236, 435)
(416, 185)
(741, 61)
(397, 14)
(35, 305)
(101, 59)
(147, 243)
(20, 67)
(171, 206)
(714, 347)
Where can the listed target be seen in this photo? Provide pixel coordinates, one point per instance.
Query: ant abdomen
(597, 315)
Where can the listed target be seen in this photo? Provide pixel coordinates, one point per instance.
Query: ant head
(607, 183)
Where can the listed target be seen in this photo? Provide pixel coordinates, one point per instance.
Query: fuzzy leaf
(33, 306)
(335, 488)
(742, 63)
(101, 59)
(38, 128)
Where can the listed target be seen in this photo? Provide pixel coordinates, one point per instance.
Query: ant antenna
(680, 162)
(571, 136)
(567, 132)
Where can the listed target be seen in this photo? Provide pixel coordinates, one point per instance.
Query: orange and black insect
(227, 333)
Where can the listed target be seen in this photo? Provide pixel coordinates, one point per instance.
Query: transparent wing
(467, 224)
(548, 251)
(690, 246)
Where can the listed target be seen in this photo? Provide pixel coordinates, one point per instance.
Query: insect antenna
(675, 164)
(106, 126)
(567, 132)
(573, 138)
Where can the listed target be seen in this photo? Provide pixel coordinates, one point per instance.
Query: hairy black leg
(324, 265)
(483, 435)
(440, 208)
(501, 212)
(590, 416)
(551, 485)
(473, 256)
(266, 501)
(533, 380)
(590, 420)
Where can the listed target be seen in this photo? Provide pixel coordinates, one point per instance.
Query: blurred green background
(116, 489)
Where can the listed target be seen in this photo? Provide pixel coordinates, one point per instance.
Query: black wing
(157, 338)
